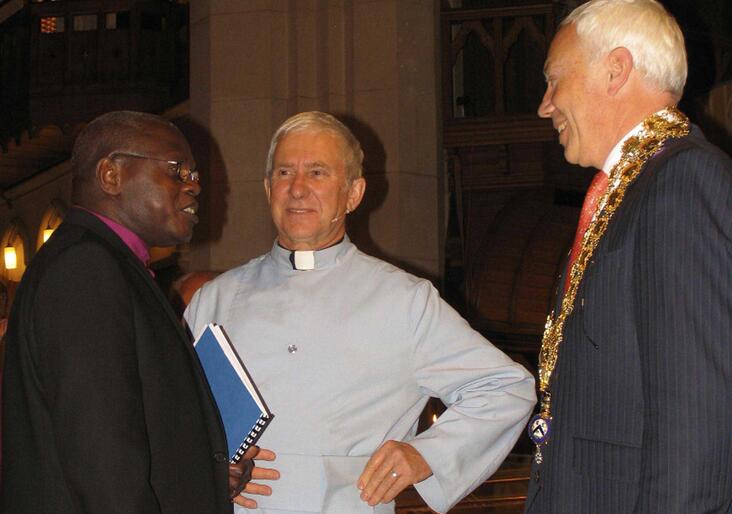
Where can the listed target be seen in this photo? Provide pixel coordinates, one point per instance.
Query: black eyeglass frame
(184, 175)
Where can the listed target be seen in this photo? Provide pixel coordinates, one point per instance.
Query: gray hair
(645, 28)
(321, 121)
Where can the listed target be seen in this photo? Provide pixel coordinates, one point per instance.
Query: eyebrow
(316, 164)
(550, 66)
(308, 165)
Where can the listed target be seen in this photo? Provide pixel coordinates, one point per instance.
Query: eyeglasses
(184, 174)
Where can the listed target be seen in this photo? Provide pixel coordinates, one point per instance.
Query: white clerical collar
(307, 260)
(303, 260)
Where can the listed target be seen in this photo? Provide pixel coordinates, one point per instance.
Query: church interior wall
(372, 63)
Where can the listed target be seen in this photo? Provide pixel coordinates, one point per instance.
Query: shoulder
(687, 171)
(75, 252)
(75, 277)
(232, 278)
(684, 199)
(695, 155)
(389, 273)
(220, 293)
(374, 276)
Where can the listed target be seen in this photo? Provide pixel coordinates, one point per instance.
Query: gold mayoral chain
(656, 129)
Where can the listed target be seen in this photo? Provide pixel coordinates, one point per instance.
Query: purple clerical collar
(128, 237)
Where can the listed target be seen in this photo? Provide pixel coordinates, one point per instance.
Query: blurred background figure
(183, 288)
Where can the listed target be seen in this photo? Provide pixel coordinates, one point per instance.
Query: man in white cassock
(346, 350)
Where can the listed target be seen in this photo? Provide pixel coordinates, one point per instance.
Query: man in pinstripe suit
(636, 359)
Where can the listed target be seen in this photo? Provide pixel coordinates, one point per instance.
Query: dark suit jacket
(642, 393)
(105, 405)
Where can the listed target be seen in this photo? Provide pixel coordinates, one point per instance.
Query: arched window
(50, 221)
(14, 243)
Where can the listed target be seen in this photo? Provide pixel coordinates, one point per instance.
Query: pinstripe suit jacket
(642, 392)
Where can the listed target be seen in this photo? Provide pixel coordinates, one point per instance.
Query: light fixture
(53, 217)
(11, 258)
(47, 232)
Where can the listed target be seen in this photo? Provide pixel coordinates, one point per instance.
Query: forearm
(474, 435)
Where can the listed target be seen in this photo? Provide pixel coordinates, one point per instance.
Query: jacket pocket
(603, 460)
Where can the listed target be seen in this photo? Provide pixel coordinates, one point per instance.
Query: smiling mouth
(560, 128)
(191, 210)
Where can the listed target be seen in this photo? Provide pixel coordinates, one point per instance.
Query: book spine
(252, 438)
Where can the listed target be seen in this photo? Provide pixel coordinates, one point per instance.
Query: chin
(300, 233)
(570, 157)
(179, 239)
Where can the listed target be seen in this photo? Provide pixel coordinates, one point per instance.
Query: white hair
(320, 121)
(645, 28)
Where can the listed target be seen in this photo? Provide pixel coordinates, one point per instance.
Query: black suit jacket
(105, 406)
(642, 392)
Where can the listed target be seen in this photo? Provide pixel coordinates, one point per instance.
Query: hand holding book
(241, 482)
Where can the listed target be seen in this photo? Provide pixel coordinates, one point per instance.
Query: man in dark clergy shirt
(106, 408)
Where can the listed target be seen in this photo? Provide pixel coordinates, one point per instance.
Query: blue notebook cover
(243, 412)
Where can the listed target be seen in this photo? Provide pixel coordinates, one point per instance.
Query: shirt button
(220, 457)
(292, 348)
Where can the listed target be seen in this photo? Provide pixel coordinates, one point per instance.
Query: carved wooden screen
(490, 59)
(509, 226)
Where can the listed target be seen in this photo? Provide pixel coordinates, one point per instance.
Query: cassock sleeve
(87, 368)
(683, 309)
(489, 398)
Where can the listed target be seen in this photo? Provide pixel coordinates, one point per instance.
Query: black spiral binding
(252, 438)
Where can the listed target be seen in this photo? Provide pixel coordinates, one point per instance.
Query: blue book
(243, 412)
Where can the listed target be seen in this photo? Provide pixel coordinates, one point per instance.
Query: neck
(104, 209)
(293, 245)
(641, 99)
(296, 247)
(632, 109)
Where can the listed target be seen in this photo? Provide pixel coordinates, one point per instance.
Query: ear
(109, 176)
(355, 193)
(620, 65)
(267, 190)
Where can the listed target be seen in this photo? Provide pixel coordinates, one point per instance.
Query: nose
(191, 188)
(298, 186)
(546, 107)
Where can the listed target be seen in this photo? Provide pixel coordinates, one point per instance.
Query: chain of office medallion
(669, 123)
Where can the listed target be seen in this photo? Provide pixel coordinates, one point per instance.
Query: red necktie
(594, 193)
